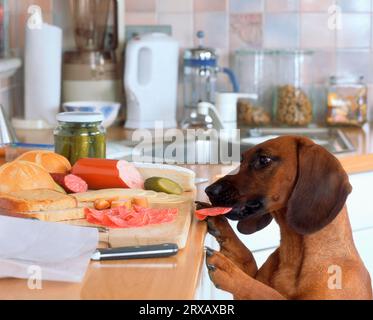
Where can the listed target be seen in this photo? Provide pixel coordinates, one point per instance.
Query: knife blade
(138, 252)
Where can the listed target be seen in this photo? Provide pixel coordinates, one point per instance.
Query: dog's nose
(221, 193)
(215, 189)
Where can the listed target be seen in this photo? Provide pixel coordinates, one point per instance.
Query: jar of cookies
(347, 101)
(255, 71)
(293, 105)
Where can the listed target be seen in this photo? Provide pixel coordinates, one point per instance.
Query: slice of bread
(56, 215)
(36, 200)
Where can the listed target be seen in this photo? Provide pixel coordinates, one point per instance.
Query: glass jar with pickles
(347, 101)
(80, 135)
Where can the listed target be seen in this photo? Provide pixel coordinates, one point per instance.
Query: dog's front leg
(231, 246)
(228, 277)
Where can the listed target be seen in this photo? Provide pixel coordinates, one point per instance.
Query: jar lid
(348, 79)
(80, 117)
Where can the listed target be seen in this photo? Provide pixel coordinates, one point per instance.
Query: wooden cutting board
(175, 232)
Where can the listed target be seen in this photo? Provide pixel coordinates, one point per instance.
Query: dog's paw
(222, 271)
(219, 228)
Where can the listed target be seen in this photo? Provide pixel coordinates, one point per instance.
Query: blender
(201, 72)
(91, 71)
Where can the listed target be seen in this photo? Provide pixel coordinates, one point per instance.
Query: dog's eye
(262, 162)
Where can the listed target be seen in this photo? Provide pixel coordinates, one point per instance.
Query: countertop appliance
(201, 71)
(151, 78)
(91, 71)
(7, 134)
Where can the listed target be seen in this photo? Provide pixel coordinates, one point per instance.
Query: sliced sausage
(108, 174)
(122, 217)
(70, 182)
(211, 212)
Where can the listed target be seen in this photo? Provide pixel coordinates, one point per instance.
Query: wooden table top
(150, 279)
(169, 278)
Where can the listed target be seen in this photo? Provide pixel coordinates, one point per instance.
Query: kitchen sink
(332, 139)
(217, 151)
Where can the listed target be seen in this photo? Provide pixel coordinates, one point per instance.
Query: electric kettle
(151, 80)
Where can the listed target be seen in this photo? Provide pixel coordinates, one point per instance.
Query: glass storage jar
(347, 101)
(255, 70)
(80, 135)
(293, 105)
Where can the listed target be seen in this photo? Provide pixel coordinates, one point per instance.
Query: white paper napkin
(58, 252)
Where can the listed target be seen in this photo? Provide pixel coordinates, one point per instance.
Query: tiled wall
(342, 45)
(306, 24)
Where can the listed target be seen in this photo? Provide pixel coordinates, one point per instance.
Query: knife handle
(138, 252)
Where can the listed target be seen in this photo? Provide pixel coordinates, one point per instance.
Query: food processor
(91, 71)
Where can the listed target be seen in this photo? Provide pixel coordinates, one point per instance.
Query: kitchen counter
(170, 278)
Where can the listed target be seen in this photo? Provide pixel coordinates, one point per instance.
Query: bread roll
(23, 175)
(50, 161)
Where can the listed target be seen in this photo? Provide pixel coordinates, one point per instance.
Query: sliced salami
(211, 212)
(70, 182)
(122, 217)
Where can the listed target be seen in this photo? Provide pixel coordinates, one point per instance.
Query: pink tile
(281, 30)
(46, 5)
(210, 6)
(172, 6)
(316, 5)
(182, 27)
(140, 5)
(282, 5)
(245, 30)
(245, 6)
(315, 32)
(355, 63)
(355, 31)
(13, 6)
(141, 18)
(322, 67)
(215, 26)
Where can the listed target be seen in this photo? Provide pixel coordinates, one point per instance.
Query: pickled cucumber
(163, 185)
(76, 141)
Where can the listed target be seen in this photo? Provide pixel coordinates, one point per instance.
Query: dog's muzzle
(245, 210)
(224, 194)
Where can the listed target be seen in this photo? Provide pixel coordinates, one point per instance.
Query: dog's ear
(320, 191)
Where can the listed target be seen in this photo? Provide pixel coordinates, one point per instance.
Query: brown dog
(304, 188)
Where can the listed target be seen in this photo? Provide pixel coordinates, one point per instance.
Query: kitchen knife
(140, 252)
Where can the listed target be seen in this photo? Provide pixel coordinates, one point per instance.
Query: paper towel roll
(43, 58)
